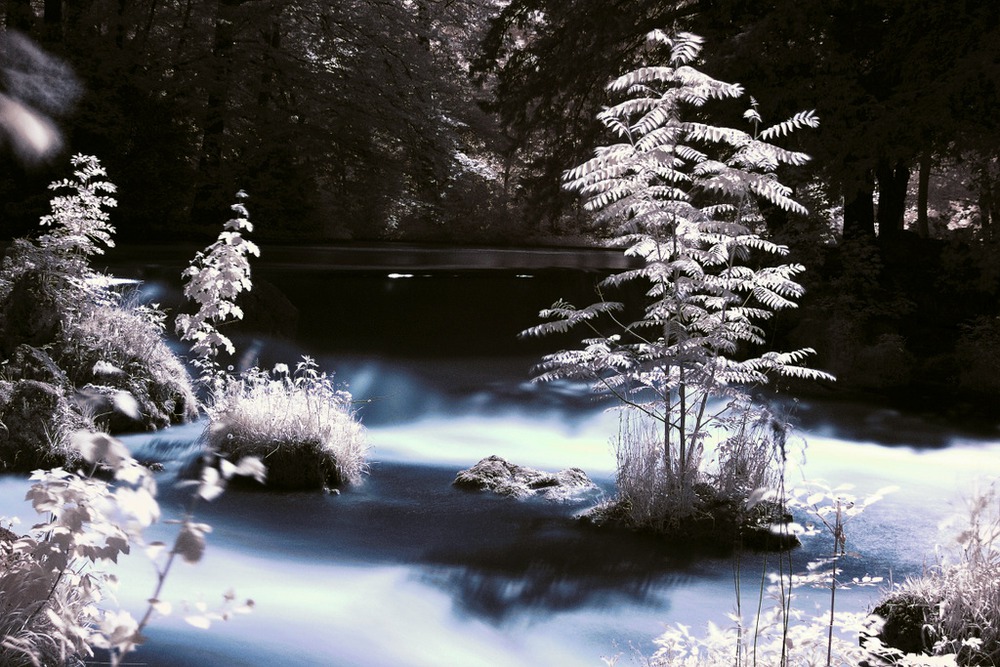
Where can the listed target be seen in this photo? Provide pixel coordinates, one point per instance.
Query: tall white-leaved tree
(684, 197)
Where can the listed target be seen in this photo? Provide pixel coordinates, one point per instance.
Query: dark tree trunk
(20, 16)
(892, 181)
(269, 78)
(985, 220)
(53, 20)
(989, 201)
(121, 30)
(75, 12)
(209, 202)
(923, 187)
(859, 211)
(148, 27)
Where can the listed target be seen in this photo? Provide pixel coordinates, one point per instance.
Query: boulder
(266, 310)
(37, 419)
(32, 363)
(500, 476)
(29, 313)
(904, 616)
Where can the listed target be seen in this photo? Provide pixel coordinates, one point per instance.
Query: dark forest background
(451, 121)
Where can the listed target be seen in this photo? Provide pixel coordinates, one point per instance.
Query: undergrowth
(955, 605)
(297, 422)
(55, 582)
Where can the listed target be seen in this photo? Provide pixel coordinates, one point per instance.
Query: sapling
(834, 508)
(215, 278)
(682, 197)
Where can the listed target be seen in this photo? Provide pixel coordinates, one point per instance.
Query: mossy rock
(301, 467)
(904, 617)
(500, 476)
(716, 523)
(158, 382)
(33, 363)
(291, 466)
(37, 420)
(29, 313)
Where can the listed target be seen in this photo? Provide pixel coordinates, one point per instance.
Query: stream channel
(406, 570)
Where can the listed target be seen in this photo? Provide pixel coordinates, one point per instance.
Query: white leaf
(199, 621)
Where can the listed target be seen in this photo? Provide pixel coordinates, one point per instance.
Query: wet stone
(502, 477)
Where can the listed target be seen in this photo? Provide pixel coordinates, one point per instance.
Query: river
(406, 570)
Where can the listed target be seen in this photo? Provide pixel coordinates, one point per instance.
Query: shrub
(98, 338)
(977, 352)
(298, 423)
(114, 348)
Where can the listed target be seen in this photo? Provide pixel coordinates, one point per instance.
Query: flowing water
(406, 570)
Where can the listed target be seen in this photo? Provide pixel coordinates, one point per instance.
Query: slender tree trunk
(429, 173)
(53, 20)
(985, 220)
(208, 200)
(185, 27)
(75, 12)
(121, 30)
(269, 78)
(148, 27)
(989, 202)
(19, 15)
(859, 211)
(893, 179)
(923, 187)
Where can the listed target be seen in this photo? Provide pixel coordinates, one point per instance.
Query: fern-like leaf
(799, 120)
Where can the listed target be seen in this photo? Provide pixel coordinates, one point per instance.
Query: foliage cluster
(55, 584)
(214, 279)
(108, 353)
(82, 328)
(348, 119)
(861, 63)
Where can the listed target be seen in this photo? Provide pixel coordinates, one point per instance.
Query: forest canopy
(452, 120)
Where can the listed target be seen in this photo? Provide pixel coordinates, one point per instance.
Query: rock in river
(496, 474)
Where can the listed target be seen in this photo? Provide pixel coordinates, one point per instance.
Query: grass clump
(715, 508)
(121, 347)
(299, 423)
(954, 608)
